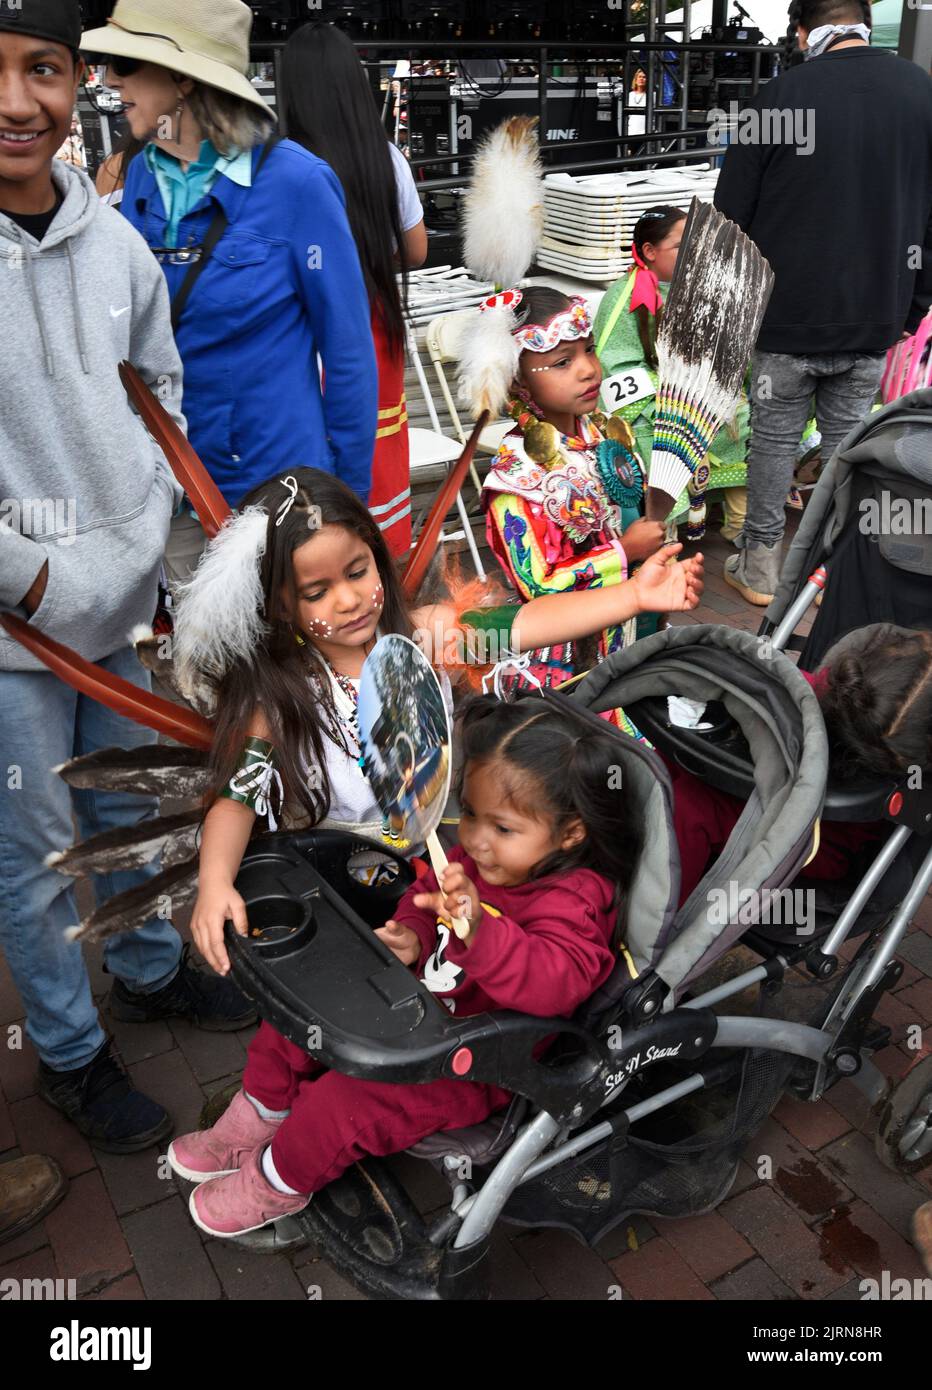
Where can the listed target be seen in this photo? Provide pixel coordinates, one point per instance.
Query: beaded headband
(570, 324)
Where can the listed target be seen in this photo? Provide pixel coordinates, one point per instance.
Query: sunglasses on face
(123, 67)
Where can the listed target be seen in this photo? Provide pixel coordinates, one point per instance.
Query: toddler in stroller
(599, 1125)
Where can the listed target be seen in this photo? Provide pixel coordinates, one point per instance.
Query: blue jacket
(283, 285)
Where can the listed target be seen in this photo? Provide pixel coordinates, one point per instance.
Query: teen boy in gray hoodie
(85, 502)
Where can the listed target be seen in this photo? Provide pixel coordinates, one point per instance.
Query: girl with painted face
(271, 636)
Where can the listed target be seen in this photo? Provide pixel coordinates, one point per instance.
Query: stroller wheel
(904, 1136)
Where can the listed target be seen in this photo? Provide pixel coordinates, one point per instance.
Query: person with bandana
(836, 190)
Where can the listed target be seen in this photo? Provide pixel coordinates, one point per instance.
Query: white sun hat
(204, 39)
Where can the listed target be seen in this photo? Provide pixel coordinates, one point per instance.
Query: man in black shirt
(837, 194)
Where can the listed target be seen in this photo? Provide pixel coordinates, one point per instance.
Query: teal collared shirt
(183, 189)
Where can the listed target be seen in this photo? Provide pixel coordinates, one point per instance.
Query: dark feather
(131, 846)
(156, 769)
(166, 895)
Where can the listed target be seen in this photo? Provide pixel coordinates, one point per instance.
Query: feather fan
(713, 314)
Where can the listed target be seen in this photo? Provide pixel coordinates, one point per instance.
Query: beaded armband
(488, 633)
(256, 783)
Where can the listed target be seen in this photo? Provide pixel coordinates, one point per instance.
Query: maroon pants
(336, 1120)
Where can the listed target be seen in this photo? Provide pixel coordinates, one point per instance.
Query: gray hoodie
(82, 483)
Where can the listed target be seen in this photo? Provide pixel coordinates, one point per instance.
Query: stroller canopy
(886, 459)
(779, 716)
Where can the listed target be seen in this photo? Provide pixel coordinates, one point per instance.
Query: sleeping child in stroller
(875, 693)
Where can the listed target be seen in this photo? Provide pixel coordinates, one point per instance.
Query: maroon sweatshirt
(541, 948)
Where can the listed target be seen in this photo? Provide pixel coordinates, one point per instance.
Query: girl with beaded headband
(564, 495)
(271, 635)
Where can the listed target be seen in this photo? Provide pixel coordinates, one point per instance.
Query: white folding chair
(428, 448)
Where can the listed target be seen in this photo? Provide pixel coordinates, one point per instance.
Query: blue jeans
(43, 722)
(782, 388)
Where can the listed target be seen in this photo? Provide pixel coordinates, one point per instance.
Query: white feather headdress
(503, 214)
(489, 354)
(502, 223)
(219, 616)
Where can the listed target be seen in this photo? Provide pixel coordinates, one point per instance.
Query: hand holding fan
(712, 316)
(404, 730)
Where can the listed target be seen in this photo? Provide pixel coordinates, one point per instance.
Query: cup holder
(278, 925)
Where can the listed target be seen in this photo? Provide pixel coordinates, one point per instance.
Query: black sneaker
(211, 1001)
(99, 1099)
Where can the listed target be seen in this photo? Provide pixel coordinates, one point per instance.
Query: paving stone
(563, 1267)
(209, 1055)
(893, 1062)
(894, 1196)
(245, 1275)
(137, 1041)
(38, 1265)
(170, 1259)
(814, 1124)
(746, 1177)
(42, 1129)
(753, 1282)
(658, 1272)
(852, 1104)
(86, 1235)
(708, 1244)
(136, 1180)
(860, 1239)
(510, 1279)
(722, 605)
(917, 948)
(122, 1290)
(329, 1286)
(894, 1011)
(848, 1293)
(25, 1243)
(11, 1005)
(18, 1065)
(798, 1175)
(617, 1242)
(911, 975)
(169, 1080)
(918, 997)
(782, 1239)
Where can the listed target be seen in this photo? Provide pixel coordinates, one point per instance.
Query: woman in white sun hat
(261, 265)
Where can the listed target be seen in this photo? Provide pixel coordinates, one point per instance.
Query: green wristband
(256, 779)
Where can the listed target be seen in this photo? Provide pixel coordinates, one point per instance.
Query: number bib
(624, 388)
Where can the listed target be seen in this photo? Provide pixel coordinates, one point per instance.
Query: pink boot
(242, 1201)
(216, 1152)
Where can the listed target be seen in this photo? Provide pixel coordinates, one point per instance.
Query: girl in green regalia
(625, 336)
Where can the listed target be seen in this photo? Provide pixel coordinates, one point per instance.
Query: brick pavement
(828, 1215)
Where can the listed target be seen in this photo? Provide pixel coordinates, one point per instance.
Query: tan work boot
(755, 572)
(29, 1188)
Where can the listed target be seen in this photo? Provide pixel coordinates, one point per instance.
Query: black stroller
(649, 1095)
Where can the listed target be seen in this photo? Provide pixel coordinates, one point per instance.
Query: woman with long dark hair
(328, 106)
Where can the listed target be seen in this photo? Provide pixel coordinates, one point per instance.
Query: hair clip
(292, 485)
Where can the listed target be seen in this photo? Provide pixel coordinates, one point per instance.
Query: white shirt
(410, 212)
